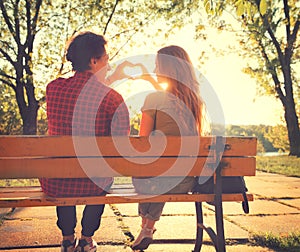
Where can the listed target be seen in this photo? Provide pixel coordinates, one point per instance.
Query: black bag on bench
(229, 185)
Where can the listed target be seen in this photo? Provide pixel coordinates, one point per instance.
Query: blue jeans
(90, 222)
(160, 185)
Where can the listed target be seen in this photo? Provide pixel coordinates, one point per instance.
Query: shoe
(68, 246)
(84, 246)
(154, 229)
(144, 239)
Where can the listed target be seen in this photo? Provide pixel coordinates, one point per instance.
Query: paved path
(276, 209)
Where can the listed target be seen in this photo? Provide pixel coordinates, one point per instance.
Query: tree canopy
(269, 35)
(33, 35)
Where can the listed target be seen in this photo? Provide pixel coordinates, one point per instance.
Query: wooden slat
(240, 146)
(23, 146)
(38, 198)
(94, 146)
(95, 167)
(239, 166)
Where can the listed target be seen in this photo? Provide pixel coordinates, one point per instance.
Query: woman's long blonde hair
(174, 63)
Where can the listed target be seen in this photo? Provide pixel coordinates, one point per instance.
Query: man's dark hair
(83, 48)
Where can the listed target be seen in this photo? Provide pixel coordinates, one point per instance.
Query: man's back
(81, 105)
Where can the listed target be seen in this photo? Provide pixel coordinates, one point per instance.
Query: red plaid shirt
(80, 105)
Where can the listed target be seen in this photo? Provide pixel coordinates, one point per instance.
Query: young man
(83, 105)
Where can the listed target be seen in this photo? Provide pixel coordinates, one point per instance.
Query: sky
(237, 93)
(235, 90)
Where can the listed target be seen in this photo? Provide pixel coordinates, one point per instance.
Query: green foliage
(42, 122)
(283, 164)
(285, 242)
(264, 32)
(270, 138)
(268, 35)
(278, 136)
(135, 124)
(19, 182)
(10, 121)
(34, 34)
(121, 21)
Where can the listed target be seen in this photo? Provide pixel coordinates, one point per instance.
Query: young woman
(174, 111)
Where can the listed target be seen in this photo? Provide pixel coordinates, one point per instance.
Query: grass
(35, 182)
(285, 242)
(122, 180)
(19, 182)
(289, 166)
(286, 165)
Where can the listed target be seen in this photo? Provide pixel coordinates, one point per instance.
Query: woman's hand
(147, 76)
(141, 74)
(119, 73)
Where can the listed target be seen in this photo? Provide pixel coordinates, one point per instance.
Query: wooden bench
(75, 157)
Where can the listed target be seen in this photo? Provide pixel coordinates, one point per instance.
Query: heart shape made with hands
(133, 71)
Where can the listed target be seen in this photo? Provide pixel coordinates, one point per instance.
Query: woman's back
(170, 115)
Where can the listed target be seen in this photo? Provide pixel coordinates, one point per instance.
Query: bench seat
(33, 196)
(33, 157)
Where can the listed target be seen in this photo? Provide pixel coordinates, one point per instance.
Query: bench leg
(220, 146)
(199, 228)
(219, 213)
(220, 226)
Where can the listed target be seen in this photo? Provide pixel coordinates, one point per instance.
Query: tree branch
(293, 37)
(274, 40)
(287, 16)
(269, 30)
(273, 73)
(29, 39)
(122, 46)
(31, 31)
(110, 16)
(32, 24)
(8, 84)
(63, 58)
(6, 19)
(28, 21)
(17, 23)
(7, 57)
(122, 32)
(8, 45)
(135, 31)
(7, 76)
(36, 14)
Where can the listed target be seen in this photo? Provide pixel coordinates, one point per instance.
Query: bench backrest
(74, 157)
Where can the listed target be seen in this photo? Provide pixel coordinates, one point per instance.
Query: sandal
(144, 239)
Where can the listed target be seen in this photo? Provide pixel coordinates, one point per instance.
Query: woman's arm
(148, 77)
(147, 125)
(119, 74)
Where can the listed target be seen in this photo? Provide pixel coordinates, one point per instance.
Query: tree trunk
(30, 120)
(28, 108)
(293, 130)
(290, 113)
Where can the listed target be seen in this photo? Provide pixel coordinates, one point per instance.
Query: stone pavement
(276, 209)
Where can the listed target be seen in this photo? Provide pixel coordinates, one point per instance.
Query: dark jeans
(90, 222)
